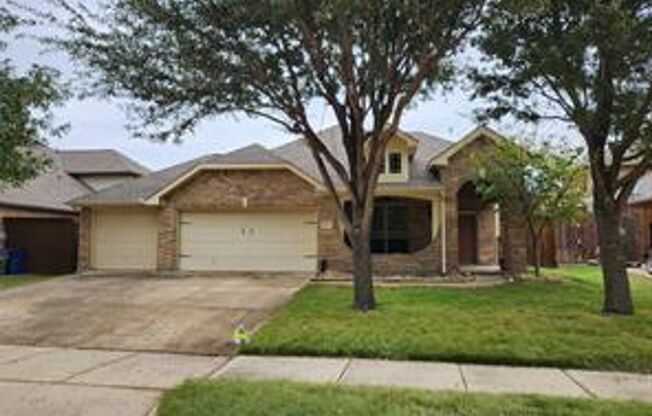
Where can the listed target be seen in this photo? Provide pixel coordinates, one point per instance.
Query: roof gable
(442, 158)
(295, 156)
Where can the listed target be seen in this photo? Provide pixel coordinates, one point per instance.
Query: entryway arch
(469, 204)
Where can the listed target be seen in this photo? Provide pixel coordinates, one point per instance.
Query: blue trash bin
(17, 262)
(3, 261)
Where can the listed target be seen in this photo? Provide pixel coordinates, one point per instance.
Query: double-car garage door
(252, 241)
(248, 241)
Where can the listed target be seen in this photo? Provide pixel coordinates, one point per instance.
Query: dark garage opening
(50, 243)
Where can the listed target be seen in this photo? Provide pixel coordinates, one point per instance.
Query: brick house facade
(417, 231)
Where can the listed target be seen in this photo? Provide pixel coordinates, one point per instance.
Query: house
(36, 217)
(256, 209)
(578, 242)
(100, 169)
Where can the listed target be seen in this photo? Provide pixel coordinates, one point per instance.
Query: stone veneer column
(84, 244)
(167, 241)
(452, 249)
(487, 238)
(514, 242)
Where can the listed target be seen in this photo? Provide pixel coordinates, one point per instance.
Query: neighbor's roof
(295, 154)
(107, 161)
(642, 192)
(51, 190)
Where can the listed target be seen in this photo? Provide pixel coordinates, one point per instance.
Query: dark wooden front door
(50, 243)
(468, 239)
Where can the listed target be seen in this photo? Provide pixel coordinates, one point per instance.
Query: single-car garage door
(124, 239)
(248, 241)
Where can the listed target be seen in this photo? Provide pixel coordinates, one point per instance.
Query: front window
(400, 225)
(395, 161)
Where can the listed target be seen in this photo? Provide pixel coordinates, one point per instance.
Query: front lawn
(9, 281)
(249, 398)
(529, 323)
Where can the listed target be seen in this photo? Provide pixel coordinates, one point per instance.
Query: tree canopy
(25, 103)
(182, 61)
(536, 182)
(586, 63)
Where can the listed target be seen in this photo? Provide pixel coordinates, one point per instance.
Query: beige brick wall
(167, 238)
(84, 249)
(227, 190)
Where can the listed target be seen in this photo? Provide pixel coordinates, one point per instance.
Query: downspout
(443, 233)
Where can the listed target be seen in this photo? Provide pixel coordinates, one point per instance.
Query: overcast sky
(98, 124)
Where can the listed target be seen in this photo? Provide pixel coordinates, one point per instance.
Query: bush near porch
(245, 398)
(544, 323)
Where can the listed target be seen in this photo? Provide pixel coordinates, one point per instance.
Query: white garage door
(248, 241)
(124, 239)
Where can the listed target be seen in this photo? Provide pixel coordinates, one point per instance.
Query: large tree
(25, 102)
(186, 60)
(587, 63)
(542, 184)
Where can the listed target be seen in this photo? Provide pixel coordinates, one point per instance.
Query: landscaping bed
(555, 322)
(243, 398)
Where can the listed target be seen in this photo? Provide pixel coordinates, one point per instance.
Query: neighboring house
(36, 217)
(100, 169)
(573, 243)
(267, 210)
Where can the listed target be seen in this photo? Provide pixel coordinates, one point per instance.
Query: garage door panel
(124, 239)
(248, 241)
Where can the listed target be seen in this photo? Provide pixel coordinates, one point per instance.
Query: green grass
(249, 398)
(527, 323)
(9, 281)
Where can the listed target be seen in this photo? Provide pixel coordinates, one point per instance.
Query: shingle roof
(643, 190)
(136, 189)
(299, 154)
(295, 153)
(86, 162)
(50, 190)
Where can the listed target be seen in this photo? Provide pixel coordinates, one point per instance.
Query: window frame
(398, 158)
(395, 237)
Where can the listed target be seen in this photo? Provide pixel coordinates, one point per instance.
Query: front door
(468, 239)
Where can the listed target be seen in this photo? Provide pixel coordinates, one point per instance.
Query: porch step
(479, 270)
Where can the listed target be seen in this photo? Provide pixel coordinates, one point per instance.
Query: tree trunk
(363, 291)
(537, 256)
(364, 299)
(534, 238)
(617, 295)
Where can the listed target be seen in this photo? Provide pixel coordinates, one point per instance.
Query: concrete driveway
(167, 314)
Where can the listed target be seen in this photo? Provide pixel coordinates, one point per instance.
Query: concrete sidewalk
(64, 382)
(445, 376)
(58, 381)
